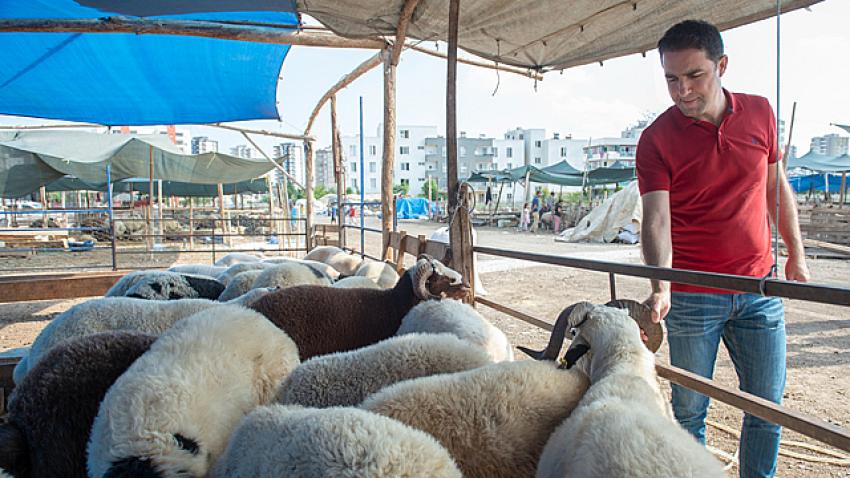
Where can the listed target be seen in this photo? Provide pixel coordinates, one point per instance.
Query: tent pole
(527, 186)
(340, 187)
(308, 192)
(223, 222)
(191, 222)
(843, 189)
(148, 228)
(160, 203)
(42, 192)
(387, 204)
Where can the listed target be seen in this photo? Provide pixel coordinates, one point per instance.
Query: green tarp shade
(594, 177)
(843, 126)
(31, 159)
(169, 188)
(562, 168)
(821, 163)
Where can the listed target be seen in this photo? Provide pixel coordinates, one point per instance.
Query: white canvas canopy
(606, 220)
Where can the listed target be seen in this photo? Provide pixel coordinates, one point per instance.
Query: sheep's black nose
(132, 467)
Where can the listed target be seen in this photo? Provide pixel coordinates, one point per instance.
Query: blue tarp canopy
(411, 208)
(821, 163)
(128, 79)
(817, 182)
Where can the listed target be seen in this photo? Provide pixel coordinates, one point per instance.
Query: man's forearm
(657, 251)
(789, 224)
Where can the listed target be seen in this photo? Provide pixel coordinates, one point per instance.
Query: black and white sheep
(463, 321)
(239, 285)
(380, 273)
(165, 285)
(347, 378)
(105, 314)
(238, 257)
(493, 420)
(338, 442)
(322, 320)
(52, 410)
(171, 413)
(624, 402)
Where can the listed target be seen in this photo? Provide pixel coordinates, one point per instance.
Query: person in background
(535, 212)
(708, 176)
(525, 218)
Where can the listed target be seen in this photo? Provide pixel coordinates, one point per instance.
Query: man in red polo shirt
(707, 172)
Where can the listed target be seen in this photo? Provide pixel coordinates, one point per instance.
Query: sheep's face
(433, 280)
(162, 287)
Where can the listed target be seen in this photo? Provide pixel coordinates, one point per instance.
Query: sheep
(239, 257)
(381, 273)
(346, 264)
(239, 285)
(624, 402)
(347, 378)
(461, 320)
(289, 441)
(322, 320)
(355, 282)
(249, 297)
(198, 269)
(288, 275)
(171, 412)
(165, 285)
(493, 420)
(231, 272)
(328, 271)
(105, 314)
(51, 412)
(323, 253)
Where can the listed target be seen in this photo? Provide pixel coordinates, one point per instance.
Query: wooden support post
(160, 212)
(308, 192)
(149, 216)
(398, 253)
(460, 232)
(191, 222)
(336, 150)
(221, 209)
(42, 192)
(287, 222)
(423, 244)
(271, 224)
(387, 205)
(843, 189)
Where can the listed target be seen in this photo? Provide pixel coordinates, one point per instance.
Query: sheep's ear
(556, 340)
(424, 257)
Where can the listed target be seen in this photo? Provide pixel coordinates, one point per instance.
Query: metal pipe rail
(770, 287)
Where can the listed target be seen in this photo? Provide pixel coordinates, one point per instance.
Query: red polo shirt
(717, 179)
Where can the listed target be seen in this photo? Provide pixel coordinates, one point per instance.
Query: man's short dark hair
(695, 34)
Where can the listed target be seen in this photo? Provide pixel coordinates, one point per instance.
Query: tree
(294, 193)
(402, 189)
(321, 190)
(430, 188)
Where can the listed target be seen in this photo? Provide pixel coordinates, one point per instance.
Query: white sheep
(381, 273)
(346, 264)
(239, 257)
(494, 420)
(106, 314)
(323, 253)
(325, 269)
(346, 378)
(251, 296)
(239, 285)
(198, 269)
(290, 274)
(355, 282)
(623, 425)
(455, 317)
(171, 413)
(231, 272)
(290, 441)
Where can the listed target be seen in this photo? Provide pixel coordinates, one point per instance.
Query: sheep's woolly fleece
(232, 271)
(198, 269)
(289, 275)
(346, 378)
(323, 253)
(238, 258)
(346, 264)
(171, 413)
(623, 401)
(335, 442)
(455, 317)
(239, 285)
(355, 282)
(380, 273)
(105, 314)
(493, 420)
(55, 405)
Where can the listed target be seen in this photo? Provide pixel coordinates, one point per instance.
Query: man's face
(693, 81)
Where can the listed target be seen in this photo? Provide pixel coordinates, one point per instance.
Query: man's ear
(721, 65)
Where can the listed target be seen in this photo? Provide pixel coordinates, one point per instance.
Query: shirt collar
(732, 106)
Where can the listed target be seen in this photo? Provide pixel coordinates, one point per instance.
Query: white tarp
(620, 211)
(549, 34)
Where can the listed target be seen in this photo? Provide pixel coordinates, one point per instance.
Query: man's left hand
(796, 270)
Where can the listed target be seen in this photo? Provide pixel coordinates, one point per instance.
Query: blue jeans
(753, 329)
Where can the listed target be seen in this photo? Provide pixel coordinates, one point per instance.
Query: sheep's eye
(187, 443)
(573, 332)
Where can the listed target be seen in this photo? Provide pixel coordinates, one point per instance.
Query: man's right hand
(659, 303)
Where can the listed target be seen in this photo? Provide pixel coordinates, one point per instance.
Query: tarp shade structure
(843, 126)
(817, 182)
(543, 33)
(411, 208)
(128, 79)
(821, 163)
(562, 168)
(31, 159)
(595, 177)
(169, 188)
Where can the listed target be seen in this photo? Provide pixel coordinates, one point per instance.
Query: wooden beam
(269, 159)
(308, 192)
(388, 163)
(336, 151)
(195, 28)
(509, 69)
(59, 286)
(346, 80)
(296, 137)
(401, 29)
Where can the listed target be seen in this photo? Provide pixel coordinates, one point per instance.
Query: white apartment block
(830, 144)
(179, 137)
(290, 155)
(202, 144)
(243, 151)
(608, 152)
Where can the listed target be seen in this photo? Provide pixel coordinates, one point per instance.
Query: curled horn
(423, 269)
(641, 314)
(556, 340)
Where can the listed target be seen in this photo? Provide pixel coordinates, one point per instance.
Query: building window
(563, 151)
(538, 144)
(422, 164)
(495, 152)
(404, 150)
(373, 150)
(463, 150)
(353, 150)
(420, 148)
(421, 180)
(354, 183)
(509, 152)
(520, 137)
(353, 167)
(537, 161)
(510, 166)
(373, 167)
(405, 181)
(405, 133)
(373, 183)
(430, 167)
(405, 166)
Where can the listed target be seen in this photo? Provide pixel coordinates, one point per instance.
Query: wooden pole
(297, 137)
(308, 192)
(337, 158)
(191, 222)
(160, 203)
(843, 189)
(788, 141)
(528, 186)
(42, 193)
(149, 218)
(269, 159)
(195, 28)
(517, 71)
(460, 231)
(387, 205)
(223, 222)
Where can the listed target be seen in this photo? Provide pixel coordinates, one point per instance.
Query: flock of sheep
(333, 367)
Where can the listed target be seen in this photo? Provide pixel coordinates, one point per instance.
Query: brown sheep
(323, 320)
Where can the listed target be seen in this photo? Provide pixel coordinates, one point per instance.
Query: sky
(590, 101)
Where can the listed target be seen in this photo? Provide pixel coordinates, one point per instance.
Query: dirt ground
(818, 334)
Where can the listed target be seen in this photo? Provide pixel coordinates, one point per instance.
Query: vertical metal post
(362, 188)
(612, 285)
(111, 216)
